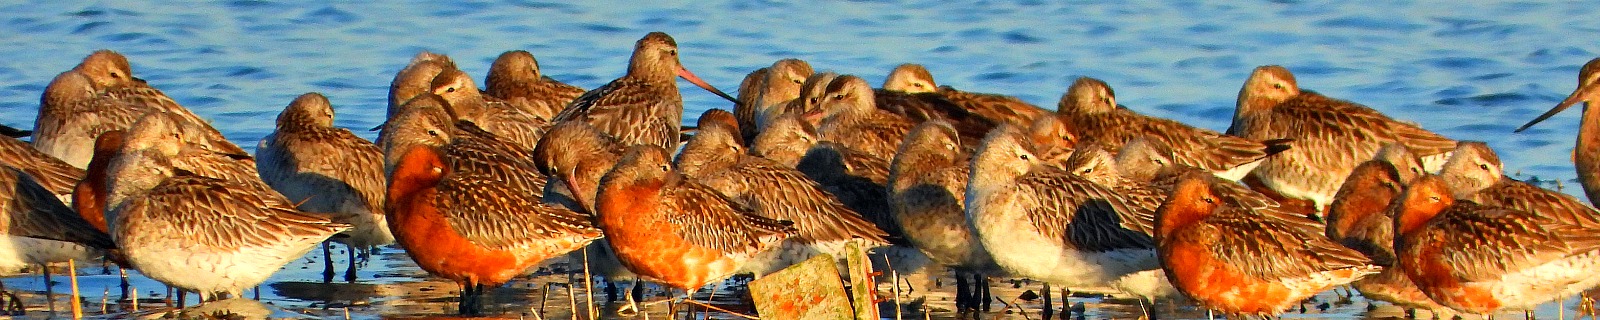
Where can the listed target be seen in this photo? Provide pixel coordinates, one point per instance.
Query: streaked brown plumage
(578, 155)
(749, 90)
(33, 211)
(1090, 110)
(55, 175)
(329, 170)
(459, 191)
(910, 78)
(100, 95)
(1474, 173)
(927, 192)
(1233, 258)
(645, 208)
(204, 234)
(778, 86)
(857, 178)
(496, 116)
(913, 78)
(1330, 136)
(812, 90)
(643, 106)
(785, 140)
(848, 117)
(1097, 164)
(515, 78)
(424, 122)
(1079, 233)
(1483, 259)
(715, 158)
(1360, 216)
(773, 190)
(415, 79)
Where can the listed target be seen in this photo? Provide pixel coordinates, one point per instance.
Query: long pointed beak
(1581, 94)
(686, 75)
(577, 196)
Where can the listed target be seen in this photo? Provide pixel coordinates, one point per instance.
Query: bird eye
(919, 85)
(116, 75)
(1086, 171)
(434, 133)
(672, 52)
(1277, 86)
(665, 168)
(813, 100)
(1024, 157)
(1209, 200)
(838, 96)
(797, 81)
(450, 89)
(1485, 167)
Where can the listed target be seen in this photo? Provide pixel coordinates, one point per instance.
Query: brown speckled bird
(515, 78)
(465, 204)
(100, 95)
(1482, 259)
(495, 116)
(329, 170)
(914, 78)
(775, 87)
(1331, 136)
(1090, 109)
(714, 158)
(216, 236)
(645, 208)
(415, 78)
(1233, 258)
(1474, 173)
(643, 106)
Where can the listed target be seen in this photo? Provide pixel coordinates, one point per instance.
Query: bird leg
(350, 273)
(327, 263)
(963, 297)
(1048, 307)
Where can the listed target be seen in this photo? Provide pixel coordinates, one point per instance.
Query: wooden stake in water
(588, 287)
(72, 273)
(135, 292)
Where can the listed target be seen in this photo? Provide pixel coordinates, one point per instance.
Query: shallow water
(1467, 70)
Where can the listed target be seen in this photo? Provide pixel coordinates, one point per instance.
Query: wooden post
(72, 273)
(809, 290)
(863, 284)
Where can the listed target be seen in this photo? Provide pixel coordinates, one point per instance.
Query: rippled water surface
(1467, 70)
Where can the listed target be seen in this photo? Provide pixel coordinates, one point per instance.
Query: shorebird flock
(1302, 193)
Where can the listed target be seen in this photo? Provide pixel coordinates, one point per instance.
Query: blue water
(1467, 70)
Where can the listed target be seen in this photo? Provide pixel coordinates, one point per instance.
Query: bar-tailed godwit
(1586, 155)
(209, 235)
(516, 78)
(1089, 107)
(329, 170)
(646, 208)
(643, 106)
(1238, 260)
(1483, 259)
(1331, 136)
(465, 204)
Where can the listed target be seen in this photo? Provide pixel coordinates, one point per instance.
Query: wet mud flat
(391, 286)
